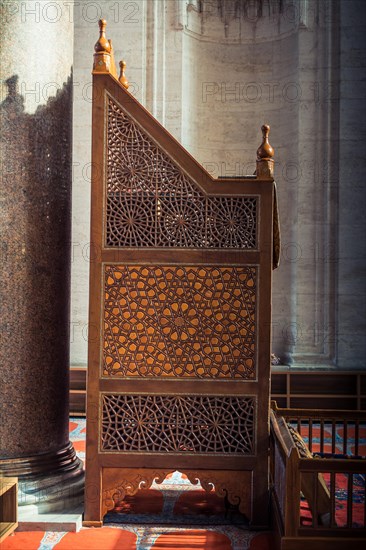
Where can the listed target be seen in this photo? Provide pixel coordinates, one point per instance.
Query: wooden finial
(104, 57)
(103, 45)
(122, 77)
(265, 151)
(265, 154)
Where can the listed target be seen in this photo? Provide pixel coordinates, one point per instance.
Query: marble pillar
(35, 154)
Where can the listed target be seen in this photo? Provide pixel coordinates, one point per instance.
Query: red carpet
(195, 539)
(111, 538)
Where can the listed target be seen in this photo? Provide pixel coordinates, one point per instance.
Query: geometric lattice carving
(180, 321)
(178, 424)
(152, 202)
(225, 227)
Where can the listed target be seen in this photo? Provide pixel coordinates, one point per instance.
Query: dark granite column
(35, 226)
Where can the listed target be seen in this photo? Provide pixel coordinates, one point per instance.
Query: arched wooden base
(117, 483)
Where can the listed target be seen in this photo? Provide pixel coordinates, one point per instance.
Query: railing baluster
(345, 438)
(322, 435)
(333, 522)
(311, 435)
(315, 499)
(357, 433)
(349, 499)
(333, 435)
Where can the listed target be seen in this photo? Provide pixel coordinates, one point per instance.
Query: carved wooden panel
(178, 424)
(151, 202)
(180, 307)
(235, 486)
(180, 321)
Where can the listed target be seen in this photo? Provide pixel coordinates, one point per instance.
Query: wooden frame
(310, 388)
(291, 387)
(8, 506)
(113, 468)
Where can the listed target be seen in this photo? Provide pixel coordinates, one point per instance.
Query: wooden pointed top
(265, 151)
(265, 154)
(103, 45)
(122, 77)
(103, 56)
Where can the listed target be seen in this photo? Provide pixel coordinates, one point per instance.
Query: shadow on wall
(35, 153)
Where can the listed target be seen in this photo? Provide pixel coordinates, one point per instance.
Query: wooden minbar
(180, 311)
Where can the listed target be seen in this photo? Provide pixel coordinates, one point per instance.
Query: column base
(50, 482)
(29, 519)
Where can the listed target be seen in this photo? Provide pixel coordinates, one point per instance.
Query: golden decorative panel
(180, 321)
(178, 424)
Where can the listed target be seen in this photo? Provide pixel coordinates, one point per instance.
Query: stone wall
(213, 72)
(351, 229)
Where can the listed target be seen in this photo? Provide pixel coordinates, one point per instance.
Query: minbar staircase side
(180, 311)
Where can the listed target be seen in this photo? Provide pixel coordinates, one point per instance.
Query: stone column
(351, 287)
(35, 153)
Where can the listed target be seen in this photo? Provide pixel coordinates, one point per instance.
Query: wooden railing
(338, 385)
(295, 471)
(338, 423)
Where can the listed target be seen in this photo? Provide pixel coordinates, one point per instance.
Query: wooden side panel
(180, 313)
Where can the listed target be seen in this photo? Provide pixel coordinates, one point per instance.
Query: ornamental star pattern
(180, 321)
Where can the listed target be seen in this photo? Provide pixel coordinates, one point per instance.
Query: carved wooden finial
(104, 57)
(122, 77)
(265, 151)
(103, 45)
(265, 154)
